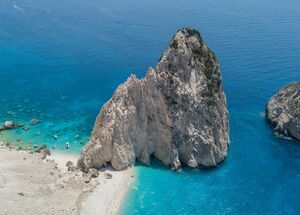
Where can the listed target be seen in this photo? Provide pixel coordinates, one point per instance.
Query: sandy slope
(30, 185)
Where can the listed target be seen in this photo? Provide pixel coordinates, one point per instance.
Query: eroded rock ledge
(283, 111)
(177, 113)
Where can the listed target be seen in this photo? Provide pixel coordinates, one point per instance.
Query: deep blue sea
(60, 61)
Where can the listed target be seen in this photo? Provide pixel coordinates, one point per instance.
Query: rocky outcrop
(8, 125)
(177, 113)
(283, 111)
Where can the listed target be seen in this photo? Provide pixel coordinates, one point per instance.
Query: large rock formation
(177, 113)
(283, 111)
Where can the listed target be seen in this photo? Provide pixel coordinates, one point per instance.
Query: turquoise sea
(60, 61)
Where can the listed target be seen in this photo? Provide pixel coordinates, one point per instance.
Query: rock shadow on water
(158, 165)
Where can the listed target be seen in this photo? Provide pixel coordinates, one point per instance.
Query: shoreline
(102, 198)
(45, 186)
(123, 193)
(121, 180)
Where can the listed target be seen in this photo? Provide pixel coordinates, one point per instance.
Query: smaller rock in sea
(25, 127)
(19, 124)
(34, 121)
(283, 111)
(21, 194)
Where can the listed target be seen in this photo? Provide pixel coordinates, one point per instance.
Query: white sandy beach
(31, 185)
(108, 196)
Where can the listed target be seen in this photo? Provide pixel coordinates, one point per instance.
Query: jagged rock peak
(177, 113)
(283, 111)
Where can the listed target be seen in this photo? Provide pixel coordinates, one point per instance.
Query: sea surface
(60, 61)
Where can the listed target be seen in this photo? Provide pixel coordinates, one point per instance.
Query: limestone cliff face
(177, 113)
(283, 111)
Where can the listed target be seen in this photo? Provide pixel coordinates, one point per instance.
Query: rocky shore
(33, 183)
(283, 111)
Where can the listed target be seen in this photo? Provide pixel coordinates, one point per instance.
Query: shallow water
(61, 60)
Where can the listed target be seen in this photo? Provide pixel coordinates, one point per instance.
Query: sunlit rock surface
(177, 113)
(283, 111)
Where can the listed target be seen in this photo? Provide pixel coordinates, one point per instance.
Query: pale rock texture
(177, 113)
(283, 111)
(8, 125)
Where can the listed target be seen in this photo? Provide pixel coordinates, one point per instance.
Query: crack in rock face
(176, 114)
(283, 111)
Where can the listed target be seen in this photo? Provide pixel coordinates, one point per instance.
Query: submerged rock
(283, 111)
(34, 121)
(25, 127)
(177, 113)
(10, 113)
(19, 124)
